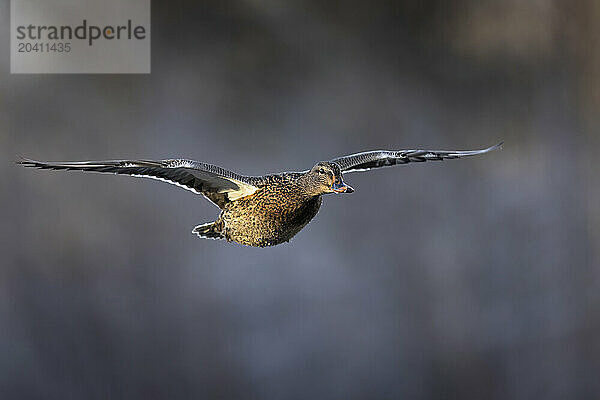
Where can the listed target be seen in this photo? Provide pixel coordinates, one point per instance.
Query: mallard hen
(258, 210)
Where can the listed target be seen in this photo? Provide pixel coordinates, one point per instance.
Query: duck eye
(321, 171)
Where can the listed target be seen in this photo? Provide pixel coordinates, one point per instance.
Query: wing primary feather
(385, 158)
(215, 183)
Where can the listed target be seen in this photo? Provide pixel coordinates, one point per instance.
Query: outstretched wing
(386, 158)
(217, 184)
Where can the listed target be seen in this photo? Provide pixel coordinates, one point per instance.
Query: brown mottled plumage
(278, 210)
(258, 211)
(263, 219)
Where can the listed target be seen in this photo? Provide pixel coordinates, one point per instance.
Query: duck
(259, 211)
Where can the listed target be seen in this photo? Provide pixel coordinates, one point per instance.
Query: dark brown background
(466, 279)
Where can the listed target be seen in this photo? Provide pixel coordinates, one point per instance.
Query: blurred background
(470, 279)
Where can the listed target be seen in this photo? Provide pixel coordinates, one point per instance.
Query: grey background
(465, 279)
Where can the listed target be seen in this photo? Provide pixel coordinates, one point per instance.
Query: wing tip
(27, 162)
(497, 146)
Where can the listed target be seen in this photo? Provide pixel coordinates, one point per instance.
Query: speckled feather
(274, 214)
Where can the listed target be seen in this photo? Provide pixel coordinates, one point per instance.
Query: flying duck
(258, 210)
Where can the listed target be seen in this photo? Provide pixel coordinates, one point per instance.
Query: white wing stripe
(172, 183)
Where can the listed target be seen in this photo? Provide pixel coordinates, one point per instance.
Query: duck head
(326, 177)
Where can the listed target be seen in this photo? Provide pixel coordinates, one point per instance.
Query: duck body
(275, 213)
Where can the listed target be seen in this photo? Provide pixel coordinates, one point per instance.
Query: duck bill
(341, 188)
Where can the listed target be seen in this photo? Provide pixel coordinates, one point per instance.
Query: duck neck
(306, 186)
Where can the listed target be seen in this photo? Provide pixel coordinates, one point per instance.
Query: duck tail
(208, 231)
